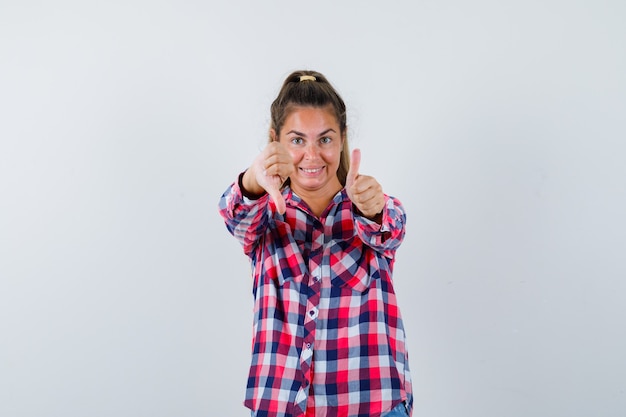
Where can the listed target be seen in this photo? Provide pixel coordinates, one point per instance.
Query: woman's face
(313, 138)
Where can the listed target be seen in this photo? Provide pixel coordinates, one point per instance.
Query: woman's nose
(311, 151)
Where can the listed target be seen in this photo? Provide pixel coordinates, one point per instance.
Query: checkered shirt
(328, 338)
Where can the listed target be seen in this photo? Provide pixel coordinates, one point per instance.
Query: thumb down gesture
(364, 191)
(268, 172)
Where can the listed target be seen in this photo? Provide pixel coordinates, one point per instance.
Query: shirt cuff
(247, 194)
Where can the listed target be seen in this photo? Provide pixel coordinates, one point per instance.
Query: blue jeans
(399, 411)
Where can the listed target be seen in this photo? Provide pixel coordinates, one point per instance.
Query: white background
(498, 124)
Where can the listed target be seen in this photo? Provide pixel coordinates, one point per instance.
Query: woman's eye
(296, 141)
(326, 140)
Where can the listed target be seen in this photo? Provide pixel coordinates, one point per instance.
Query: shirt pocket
(351, 264)
(285, 261)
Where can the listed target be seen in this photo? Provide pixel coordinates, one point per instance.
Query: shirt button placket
(311, 314)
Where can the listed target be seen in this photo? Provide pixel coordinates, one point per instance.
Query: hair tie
(307, 78)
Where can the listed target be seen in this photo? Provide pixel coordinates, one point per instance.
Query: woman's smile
(311, 171)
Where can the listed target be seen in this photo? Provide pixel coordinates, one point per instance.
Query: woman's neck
(318, 200)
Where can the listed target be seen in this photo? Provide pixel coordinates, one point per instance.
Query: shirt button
(308, 346)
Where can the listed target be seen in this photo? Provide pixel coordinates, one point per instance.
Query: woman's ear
(273, 136)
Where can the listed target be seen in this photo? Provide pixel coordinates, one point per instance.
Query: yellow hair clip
(307, 78)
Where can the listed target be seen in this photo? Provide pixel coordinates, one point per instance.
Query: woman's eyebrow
(326, 131)
(295, 132)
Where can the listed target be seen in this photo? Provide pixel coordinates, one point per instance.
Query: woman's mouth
(311, 171)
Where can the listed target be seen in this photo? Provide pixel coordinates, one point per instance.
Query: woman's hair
(312, 89)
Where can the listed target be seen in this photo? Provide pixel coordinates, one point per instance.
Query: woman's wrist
(247, 190)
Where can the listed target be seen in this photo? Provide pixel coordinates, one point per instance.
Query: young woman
(328, 335)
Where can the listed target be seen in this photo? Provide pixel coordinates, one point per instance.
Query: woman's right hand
(268, 172)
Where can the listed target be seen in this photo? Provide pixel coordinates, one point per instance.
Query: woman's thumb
(355, 162)
(277, 198)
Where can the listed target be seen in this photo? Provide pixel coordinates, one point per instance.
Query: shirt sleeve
(246, 218)
(387, 236)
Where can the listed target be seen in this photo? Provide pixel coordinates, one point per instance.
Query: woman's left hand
(364, 191)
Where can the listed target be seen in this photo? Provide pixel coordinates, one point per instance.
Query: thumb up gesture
(364, 191)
